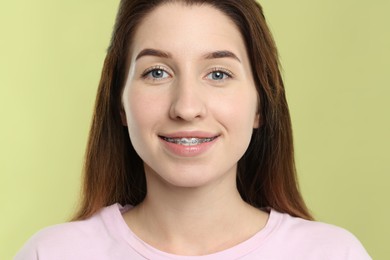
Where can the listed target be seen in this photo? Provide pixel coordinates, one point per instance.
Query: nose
(188, 101)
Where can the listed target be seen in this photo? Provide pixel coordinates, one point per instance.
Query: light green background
(336, 60)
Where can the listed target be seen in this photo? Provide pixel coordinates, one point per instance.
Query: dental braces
(188, 141)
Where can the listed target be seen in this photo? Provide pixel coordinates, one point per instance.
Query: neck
(214, 215)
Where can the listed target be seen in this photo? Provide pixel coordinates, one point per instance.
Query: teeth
(188, 141)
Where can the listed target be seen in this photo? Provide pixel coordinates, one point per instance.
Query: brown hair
(266, 177)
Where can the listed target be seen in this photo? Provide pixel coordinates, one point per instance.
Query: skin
(182, 88)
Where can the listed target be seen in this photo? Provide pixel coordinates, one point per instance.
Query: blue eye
(218, 75)
(156, 74)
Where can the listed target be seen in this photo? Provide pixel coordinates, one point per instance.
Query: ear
(257, 122)
(123, 116)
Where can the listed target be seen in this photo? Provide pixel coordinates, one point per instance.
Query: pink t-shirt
(107, 236)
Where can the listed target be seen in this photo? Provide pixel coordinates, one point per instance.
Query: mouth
(188, 141)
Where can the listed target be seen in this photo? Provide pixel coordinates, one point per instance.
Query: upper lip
(189, 134)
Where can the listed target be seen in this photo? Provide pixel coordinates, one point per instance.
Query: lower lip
(188, 151)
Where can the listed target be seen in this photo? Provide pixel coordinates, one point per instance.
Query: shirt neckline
(113, 218)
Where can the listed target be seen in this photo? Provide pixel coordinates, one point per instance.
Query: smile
(192, 141)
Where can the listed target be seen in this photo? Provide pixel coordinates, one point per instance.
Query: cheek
(239, 110)
(143, 110)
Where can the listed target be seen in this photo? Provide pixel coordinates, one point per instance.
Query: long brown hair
(266, 177)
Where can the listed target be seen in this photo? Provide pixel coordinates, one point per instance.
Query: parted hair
(266, 174)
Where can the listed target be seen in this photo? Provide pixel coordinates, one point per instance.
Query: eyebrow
(167, 55)
(153, 52)
(221, 54)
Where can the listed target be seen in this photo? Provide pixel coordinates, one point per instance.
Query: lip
(188, 151)
(189, 134)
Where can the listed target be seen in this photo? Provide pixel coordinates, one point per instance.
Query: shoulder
(330, 241)
(63, 238)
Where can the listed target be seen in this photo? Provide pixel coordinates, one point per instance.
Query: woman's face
(189, 101)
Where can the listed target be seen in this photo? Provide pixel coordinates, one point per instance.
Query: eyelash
(226, 72)
(145, 74)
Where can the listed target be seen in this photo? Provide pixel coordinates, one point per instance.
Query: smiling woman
(190, 152)
(179, 92)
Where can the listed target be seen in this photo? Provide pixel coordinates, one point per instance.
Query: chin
(190, 177)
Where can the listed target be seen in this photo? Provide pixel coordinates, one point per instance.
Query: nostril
(188, 110)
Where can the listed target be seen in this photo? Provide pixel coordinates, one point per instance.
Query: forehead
(188, 28)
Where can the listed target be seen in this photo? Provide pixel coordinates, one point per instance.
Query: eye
(155, 74)
(219, 75)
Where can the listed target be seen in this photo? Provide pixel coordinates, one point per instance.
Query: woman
(190, 153)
